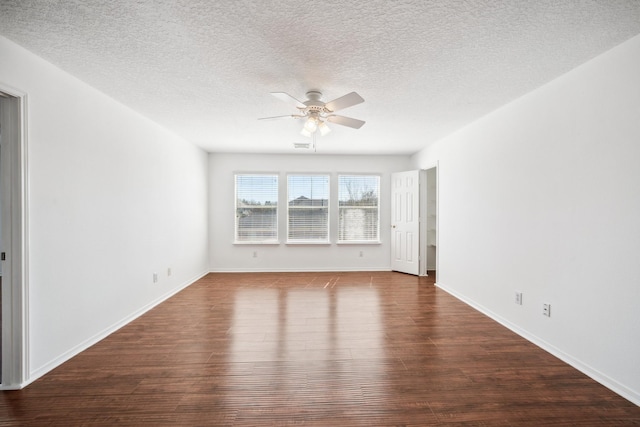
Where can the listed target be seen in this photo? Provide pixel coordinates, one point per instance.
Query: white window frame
(340, 236)
(326, 207)
(256, 240)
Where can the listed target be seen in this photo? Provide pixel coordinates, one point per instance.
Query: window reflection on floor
(359, 324)
(300, 340)
(256, 316)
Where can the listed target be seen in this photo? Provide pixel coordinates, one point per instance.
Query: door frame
(15, 344)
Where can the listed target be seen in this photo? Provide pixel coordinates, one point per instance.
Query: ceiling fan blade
(288, 116)
(348, 100)
(282, 96)
(346, 121)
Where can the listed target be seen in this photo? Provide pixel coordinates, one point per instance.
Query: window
(358, 208)
(256, 208)
(308, 208)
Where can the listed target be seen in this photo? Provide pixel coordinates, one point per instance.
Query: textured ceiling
(204, 69)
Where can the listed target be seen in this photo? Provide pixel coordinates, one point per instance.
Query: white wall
(225, 256)
(113, 198)
(543, 196)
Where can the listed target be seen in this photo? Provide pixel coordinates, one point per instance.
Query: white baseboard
(615, 386)
(34, 375)
(294, 270)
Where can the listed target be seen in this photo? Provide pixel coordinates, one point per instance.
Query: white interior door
(405, 222)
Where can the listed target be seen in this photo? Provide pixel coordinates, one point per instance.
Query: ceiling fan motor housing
(314, 95)
(314, 104)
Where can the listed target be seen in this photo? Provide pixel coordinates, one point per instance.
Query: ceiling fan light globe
(324, 129)
(305, 132)
(311, 125)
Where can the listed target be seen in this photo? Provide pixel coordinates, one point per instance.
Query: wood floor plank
(314, 349)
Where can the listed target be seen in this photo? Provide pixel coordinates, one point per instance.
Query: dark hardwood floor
(320, 349)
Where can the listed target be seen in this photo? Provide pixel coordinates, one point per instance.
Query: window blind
(308, 208)
(256, 208)
(358, 208)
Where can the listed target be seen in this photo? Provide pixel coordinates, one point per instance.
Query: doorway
(12, 238)
(430, 246)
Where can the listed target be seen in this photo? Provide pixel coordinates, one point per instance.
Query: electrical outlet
(361, 254)
(155, 277)
(255, 254)
(546, 310)
(518, 298)
(169, 271)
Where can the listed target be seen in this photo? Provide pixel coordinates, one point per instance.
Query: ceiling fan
(317, 113)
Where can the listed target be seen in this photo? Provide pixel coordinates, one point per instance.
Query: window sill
(308, 242)
(359, 242)
(248, 242)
